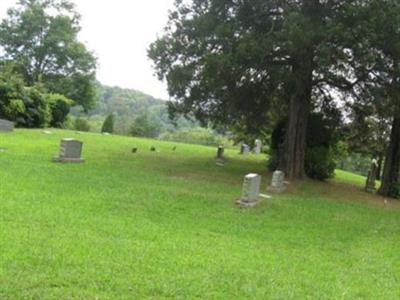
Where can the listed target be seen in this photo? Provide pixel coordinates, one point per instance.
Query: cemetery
(169, 225)
(211, 149)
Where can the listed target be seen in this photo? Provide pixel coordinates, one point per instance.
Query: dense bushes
(321, 140)
(81, 124)
(31, 107)
(59, 107)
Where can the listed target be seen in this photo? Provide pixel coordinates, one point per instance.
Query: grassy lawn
(164, 225)
(347, 177)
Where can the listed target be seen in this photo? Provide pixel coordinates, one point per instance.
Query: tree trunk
(391, 169)
(299, 109)
(296, 138)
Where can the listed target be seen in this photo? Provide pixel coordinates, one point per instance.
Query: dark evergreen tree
(232, 61)
(108, 125)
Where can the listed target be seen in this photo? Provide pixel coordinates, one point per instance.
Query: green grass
(164, 225)
(347, 177)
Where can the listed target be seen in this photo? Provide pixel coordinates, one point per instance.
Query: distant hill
(123, 101)
(129, 105)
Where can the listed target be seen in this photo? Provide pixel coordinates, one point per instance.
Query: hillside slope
(164, 225)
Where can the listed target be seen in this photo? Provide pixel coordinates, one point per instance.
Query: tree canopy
(238, 62)
(39, 38)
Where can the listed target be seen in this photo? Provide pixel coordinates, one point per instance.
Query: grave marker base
(68, 160)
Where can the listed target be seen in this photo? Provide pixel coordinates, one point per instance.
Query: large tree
(379, 55)
(232, 61)
(39, 38)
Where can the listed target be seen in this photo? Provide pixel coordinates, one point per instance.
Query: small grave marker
(250, 190)
(257, 146)
(70, 151)
(278, 182)
(245, 149)
(6, 126)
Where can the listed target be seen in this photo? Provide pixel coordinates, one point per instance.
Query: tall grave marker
(250, 190)
(277, 184)
(257, 146)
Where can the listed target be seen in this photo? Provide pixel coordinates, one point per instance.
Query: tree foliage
(108, 125)
(39, 39)
(241, 62)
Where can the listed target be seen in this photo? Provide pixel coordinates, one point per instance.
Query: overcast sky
(119, 32)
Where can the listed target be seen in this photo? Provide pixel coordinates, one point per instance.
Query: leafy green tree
(26, 106)
(108, 125)
(378, 55)
(231, 62)
(143, 127)
(59, 107)
(39, 37)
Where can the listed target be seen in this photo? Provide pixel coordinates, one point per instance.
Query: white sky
(119, 32)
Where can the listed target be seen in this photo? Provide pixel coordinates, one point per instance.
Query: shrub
(59, 107)
(319, 161)
(81, 124)
(37, 111)
(108, 125)
(143, 127)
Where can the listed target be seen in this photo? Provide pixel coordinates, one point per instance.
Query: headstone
(370, 185)
(70, 151)
(250, 190)
(6, 126)
(220, 152)
(278, 182)
(244, 149)
(257, 146)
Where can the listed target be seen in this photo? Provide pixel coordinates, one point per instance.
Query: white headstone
(278, 182)
(70, 151)
(250, 190)
(6, 126)
(244, 149)
(257, 146)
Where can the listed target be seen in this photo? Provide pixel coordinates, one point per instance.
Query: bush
(26, 106)
(59, 107)
(81, 124)
(319, 161)
(37, 111)
(395, 191)
(108, 125)
(143, 127)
